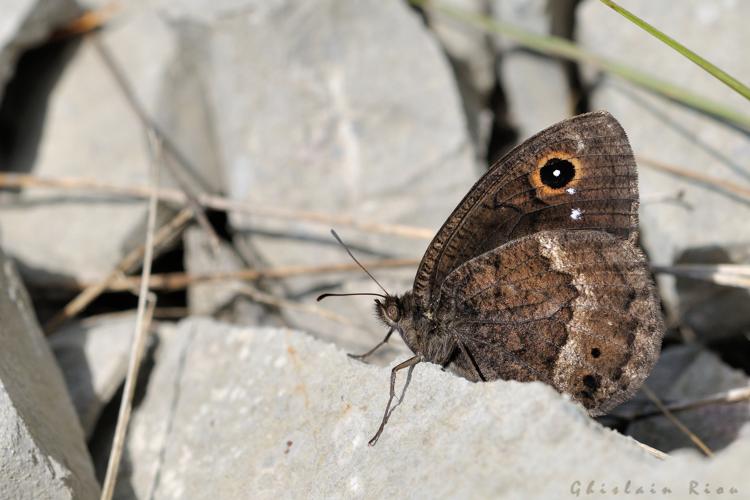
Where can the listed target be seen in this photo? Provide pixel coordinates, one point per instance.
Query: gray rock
(26, 23)
(714, 311)
(42, 449)
(276, 414)
(341, 107)
(54, 235)
(665, 131)
(93, 356)
(535, 86)
(688, 373)
(221, 299)
(78, 238)
(205, 299)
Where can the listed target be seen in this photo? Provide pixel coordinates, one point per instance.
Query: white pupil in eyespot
(556, 173)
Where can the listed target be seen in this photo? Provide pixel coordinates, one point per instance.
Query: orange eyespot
(554, 172)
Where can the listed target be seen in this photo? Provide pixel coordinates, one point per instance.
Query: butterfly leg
(409, 363)
(382, 343)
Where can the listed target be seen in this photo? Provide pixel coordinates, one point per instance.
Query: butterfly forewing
(578, 175)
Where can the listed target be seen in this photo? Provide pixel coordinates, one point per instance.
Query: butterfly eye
(557, 173)
(393, 313)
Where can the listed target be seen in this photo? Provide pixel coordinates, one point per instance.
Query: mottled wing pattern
(514, 198)
(575, 309)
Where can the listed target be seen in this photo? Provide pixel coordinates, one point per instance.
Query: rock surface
(662, 130)
(317, 109)
(84, 237)
(79, 238)
(206, 299)
(714, 311)
(93, 356)
(274, 413)
(223, 299)
(42, 449)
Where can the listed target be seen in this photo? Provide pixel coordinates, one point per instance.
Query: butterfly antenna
(323, 296)
(358, 262)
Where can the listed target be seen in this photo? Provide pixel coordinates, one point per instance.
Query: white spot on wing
(571, 190)
(556, 173)
(576, 214)
(580, 145)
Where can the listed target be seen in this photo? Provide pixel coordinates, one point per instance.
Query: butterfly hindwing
(575, 309)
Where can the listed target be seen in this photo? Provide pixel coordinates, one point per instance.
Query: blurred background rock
(375, 111)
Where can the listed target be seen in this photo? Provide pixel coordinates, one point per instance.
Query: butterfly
(537, 274)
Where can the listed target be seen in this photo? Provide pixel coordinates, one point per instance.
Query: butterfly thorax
(418, 331)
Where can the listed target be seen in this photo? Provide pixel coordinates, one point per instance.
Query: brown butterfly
(537, 273)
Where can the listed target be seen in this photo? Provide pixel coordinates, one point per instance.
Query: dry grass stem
(88, 186)
(146, 305)
(732, 396)
(180, 281)
(698, 442)
(728, 186)
(651, 450)
(130, 261)
(735, 275)
(88, 22)
(151, 127)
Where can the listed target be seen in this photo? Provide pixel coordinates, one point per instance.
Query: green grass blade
(716, 72)
(565, 49)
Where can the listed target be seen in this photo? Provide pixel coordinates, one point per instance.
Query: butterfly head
(390, 310)
(397, 313)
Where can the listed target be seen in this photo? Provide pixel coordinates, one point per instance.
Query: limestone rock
(93, 356)
(328, 106)
(714, 311)
(207, 298)
(275, 413)
(42, 449)
(221, 299)
(79, 124)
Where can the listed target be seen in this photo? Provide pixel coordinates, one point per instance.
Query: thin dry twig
(143, 319)
(151, 126)
(732, 396)
(651, 450)
(736, 275)
(180, 281)
(724, 185)
(89, 21)
(698, 442)
(28, 181)
(130, 261)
